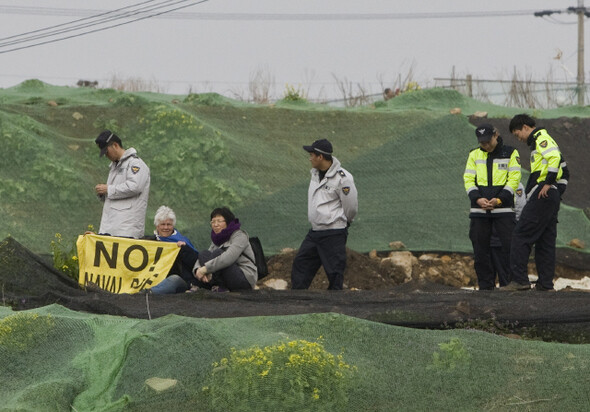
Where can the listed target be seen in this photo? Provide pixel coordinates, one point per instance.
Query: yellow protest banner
(122, 265)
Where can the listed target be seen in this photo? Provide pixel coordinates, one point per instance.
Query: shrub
(293, 94)
(191, 97)
(129, 100)
(290, 375)
(24, 330)
(173, 139)
(32, 85)
(34, 100)
(65, 256)
(451, 355)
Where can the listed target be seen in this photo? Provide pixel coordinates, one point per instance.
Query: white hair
(164, 213)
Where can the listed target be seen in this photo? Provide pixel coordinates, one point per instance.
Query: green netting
(204, 151)
(57, 360)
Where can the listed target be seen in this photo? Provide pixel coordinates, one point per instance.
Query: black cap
(322, 146)
(484, 132)
(105, 139)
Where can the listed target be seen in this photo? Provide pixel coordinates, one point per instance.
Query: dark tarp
(28, 281)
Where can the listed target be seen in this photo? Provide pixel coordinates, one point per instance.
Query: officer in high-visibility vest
(538, 222)
(491, 177)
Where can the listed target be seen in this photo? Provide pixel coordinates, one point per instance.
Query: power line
(282, 16)
(101, 18)
(68, 23)
(121, 16)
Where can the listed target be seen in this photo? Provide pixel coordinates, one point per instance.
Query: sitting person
(180, 278)
(229, 262)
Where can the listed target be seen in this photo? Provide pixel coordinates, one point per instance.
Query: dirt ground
(453, 269)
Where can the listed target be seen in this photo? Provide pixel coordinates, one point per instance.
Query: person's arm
(469, 178)
(552, 155)
(136, 177)
(514, 174)
(238, 243)
(348, 197)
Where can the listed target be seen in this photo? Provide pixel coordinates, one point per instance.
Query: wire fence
(517, 92)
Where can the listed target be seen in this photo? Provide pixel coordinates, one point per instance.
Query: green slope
(407, 156)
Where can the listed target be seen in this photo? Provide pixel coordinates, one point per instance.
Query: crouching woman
(228, 264)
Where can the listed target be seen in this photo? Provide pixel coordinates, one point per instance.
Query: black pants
(501, 265)
(184, 263)
(537, 226)
(320, 248)
(231, 277)
(480, 233)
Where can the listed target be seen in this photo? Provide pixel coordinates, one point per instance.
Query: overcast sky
(218, 45)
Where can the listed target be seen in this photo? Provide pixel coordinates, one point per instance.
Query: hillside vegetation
(407, 156)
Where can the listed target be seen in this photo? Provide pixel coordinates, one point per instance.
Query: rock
(445, 259)
(287, 250)
(276, 284)
(77, 116)
(73, 147)
(397, 245)
(52, 103)
(389, 270)
(428, 257)
(373, 254)
(403, 261)
(480, 115)
(563, 283)
(455, 110)
(577, 243)
(161, 384)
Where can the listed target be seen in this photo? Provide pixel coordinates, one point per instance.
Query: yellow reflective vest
(492, 175)
(547, 163)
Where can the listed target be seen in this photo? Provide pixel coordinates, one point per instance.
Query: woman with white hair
(180, 278)
(165, 222)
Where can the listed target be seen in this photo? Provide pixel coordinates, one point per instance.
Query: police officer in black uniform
(491, 178)
(538, 222)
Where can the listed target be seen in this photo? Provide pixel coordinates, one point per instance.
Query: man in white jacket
(332, 204)
(125, 195)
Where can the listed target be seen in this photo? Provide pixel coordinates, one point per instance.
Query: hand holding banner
(123, 265)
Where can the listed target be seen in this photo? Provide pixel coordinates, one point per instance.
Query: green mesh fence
(407, 156)
(57, 360)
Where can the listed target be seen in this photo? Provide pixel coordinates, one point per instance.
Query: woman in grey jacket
(228, 264)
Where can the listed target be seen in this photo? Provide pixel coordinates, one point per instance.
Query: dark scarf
(223, 236)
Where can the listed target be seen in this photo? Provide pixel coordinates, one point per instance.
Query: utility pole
(581, 87)
(582, 12)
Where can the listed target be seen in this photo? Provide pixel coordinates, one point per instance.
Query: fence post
(469, 83)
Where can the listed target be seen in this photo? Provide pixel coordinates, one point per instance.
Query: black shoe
(513, 286)
(542, 288)
(488, 288)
